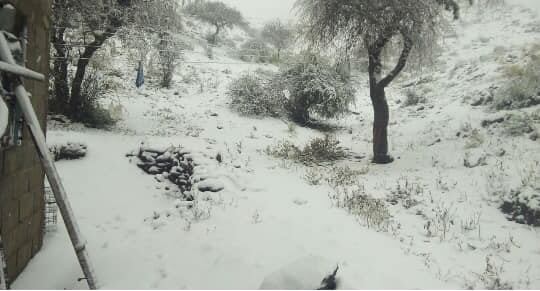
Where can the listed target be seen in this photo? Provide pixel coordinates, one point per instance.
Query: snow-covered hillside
(446, 229)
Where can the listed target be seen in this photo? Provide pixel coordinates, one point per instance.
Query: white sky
(259, 11)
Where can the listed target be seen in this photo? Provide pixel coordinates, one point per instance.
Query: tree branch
(406, 51)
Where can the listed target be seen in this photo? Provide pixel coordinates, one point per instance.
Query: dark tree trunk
(77, 100)
(381, 118)
(377, 84)
(60, 72)
(381, 112)
(215, 36)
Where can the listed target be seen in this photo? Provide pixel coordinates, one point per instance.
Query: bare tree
(217, 14)
(373, 24)
(278, 34)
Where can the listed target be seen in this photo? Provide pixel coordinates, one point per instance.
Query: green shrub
(523, 86)
(373, 212)
(413, 98)
(253, 95)
(92, 113)
(255, 51)
(316, 88)
(317, 151)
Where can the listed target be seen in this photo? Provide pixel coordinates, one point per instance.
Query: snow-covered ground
(268, 216)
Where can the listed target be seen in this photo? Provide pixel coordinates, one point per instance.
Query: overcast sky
(259, 11)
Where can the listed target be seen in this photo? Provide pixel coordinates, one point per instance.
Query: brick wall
(21, 176)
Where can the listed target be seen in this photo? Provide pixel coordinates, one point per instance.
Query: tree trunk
(380, 126)
(377, 84)
(77, 100)
(381, 112)
(60, 72)
(215, 36)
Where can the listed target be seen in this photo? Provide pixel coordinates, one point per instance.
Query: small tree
(217, 14)
(374, 24)
(317, 88)
(277, 34)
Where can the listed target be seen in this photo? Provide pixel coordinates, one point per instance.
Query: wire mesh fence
(51, 210)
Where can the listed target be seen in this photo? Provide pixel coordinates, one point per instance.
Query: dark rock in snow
(489, 122)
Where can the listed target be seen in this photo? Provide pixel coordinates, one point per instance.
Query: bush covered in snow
(316, 88)
(522, 205)
(92, 113)
(523, 88)
(371, 211)
(256, 51)
(317, 151)
(254, 95)
(68, 151)
(413, 98)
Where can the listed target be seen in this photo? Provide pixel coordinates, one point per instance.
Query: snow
(244, 237)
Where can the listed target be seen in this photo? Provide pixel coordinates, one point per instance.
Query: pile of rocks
(177, 165)
(173, 164)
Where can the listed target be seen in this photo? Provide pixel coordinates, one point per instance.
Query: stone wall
(21, 175)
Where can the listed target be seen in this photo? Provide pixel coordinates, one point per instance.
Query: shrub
(253, 95)
(256, 51)
(92, 113)
(518, 124)
(316, 88)
(413, 98)
(344, 176)
(522, 205)
(523, 88)
(317, 151)
(372, 211)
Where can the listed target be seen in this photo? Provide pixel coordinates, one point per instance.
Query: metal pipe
(23, 100)
(21, 71)
(3, 271)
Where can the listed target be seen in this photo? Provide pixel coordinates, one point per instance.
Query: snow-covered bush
(522, 205)
(371, 211)
(253, 95)
(256, 51)
(518, 124)
(317, 151)
(344, 176)
(92, 113)
(523, 88)
(68, 151)
(413, 98)
(316, 88)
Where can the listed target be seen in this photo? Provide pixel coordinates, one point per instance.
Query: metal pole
(32, 121)
(21, 71)
(3, 275)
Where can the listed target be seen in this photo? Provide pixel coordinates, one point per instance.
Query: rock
(500, 153)
(219, 127)
(213, 114)
(534, 136)
(211, 185)
(478, 101)
(489, 122)
(421, 108)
